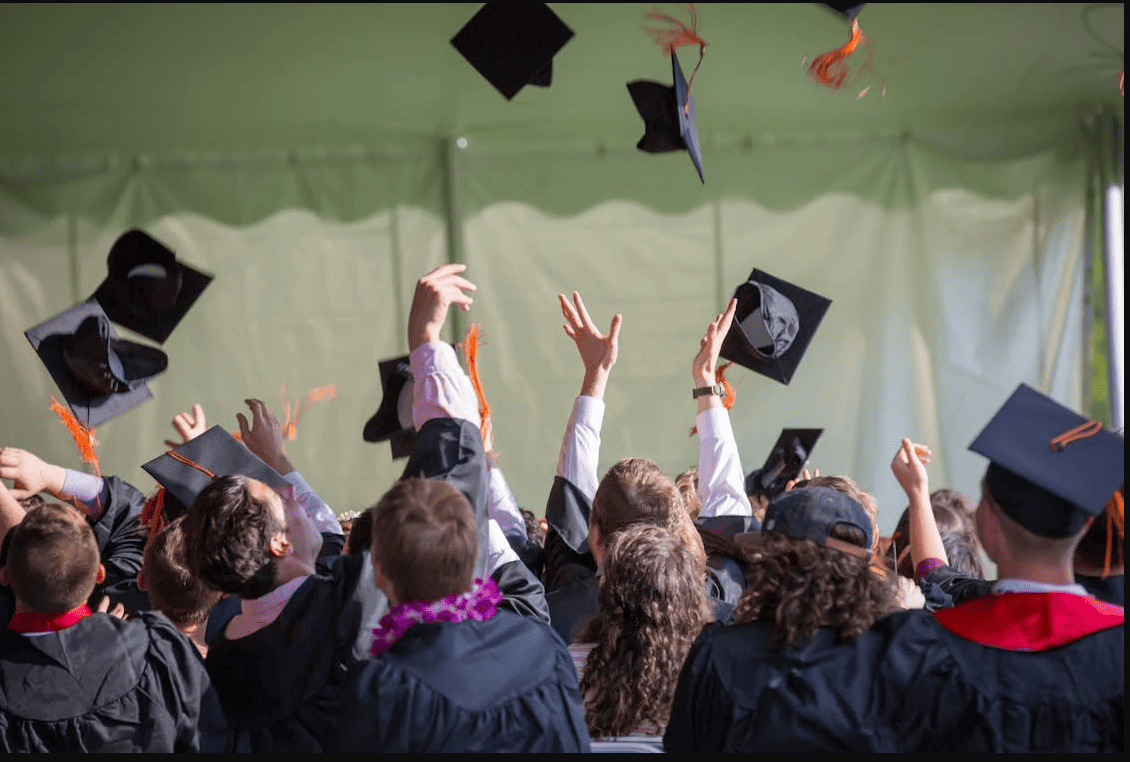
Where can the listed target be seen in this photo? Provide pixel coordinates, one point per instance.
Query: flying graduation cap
(669, 116)
(100, 375)
(774, 323)
(848, 10)
(1050, 468)
(513, 44)
(146, 289)
(785, 462)
(393, 420)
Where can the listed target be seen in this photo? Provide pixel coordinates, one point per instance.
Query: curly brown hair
(800, 586)
(653, 604)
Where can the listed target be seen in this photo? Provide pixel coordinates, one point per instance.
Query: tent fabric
(953, 279)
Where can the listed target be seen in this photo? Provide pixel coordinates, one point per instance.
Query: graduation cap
(99, 374)
(513, 44)
(669, 116)
(1050, 468)
(393, 419)
(773, 325)
(848, 10)
(186, 470)
(147, 290)
(785, 462)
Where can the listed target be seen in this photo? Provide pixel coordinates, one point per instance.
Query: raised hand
(189, 426)
(702, 368)
(435, 292)
(29, 474)
(264, 436)
(598, 350)
(909, 467)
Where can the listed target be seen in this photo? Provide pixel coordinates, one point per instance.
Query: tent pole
(1113, 273)
(454, 221)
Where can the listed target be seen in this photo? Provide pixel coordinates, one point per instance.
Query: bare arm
(909, 467)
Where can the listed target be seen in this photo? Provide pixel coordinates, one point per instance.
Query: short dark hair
(425, 539)
(227, 537)
(53, 559)
(173, 590)
(953, 513)
(360, 534)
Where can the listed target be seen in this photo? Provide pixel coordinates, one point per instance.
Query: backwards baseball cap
(186, 470)
(785, 462)
(100, 375)
(147, 290)
(774, 323)
(513, 44)
(669, 116)
(393, 419)
(811, 513)
(1050, 469)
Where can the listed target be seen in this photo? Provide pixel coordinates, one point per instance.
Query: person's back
(450, 671)
(73, 681)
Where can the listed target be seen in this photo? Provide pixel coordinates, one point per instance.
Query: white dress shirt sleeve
(721, 483)
(316, 509)
(580, 447)
(441, 388)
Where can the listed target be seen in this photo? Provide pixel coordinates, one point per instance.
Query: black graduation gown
(993, 674)
(506, 684)
(572, 590)
(102, 684)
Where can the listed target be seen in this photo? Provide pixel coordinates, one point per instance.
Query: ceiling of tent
(175, 78)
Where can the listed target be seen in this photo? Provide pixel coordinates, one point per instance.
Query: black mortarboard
(99, 374)
(669, 124)
(393, 419)
(848, 10)
(513, 44)
(1050, 469)
(146, 289)
(785, 462)
(213, 453)
(773, 325)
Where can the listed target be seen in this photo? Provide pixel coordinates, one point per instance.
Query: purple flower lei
(479, 603)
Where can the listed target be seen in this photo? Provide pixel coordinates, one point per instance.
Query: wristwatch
(702, 391)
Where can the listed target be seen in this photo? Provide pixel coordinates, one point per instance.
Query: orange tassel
(84, 437)
(471, 349)
(318, 394)
(673, 39)
(731, 395)
(830, 69)
(1115, 524)
(153, 514)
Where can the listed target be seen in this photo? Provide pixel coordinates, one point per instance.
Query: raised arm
(721, 481)
(576, 478)
(926, 549)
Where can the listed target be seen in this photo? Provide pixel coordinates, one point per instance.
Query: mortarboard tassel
(1115, 523)
(673, 39)
(830, 69)
(84, 437)
(290, 428)
(471, 349)
(153, 514)
(731, 395)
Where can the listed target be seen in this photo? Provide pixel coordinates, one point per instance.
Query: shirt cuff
(925, 566)
(498, 547)
(441, 389)
(316, 509)
(85, 488)
(714, 422)
(589, 411)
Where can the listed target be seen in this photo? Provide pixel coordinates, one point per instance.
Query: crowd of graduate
(233, 611)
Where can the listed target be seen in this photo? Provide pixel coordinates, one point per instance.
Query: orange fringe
(1115, 522)
(153, 514)
(84, 437)
(290, 428)
(830, 69)
(471, 349)
(731, 395)
(673, 39)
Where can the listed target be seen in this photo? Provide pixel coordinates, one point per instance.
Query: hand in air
(435, 292)
(702, 369)
(909, 467)
(264, 436)
(598, 350)
(29, 474)
(189, 426)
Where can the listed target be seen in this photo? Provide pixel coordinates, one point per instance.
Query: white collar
(1028, 586)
